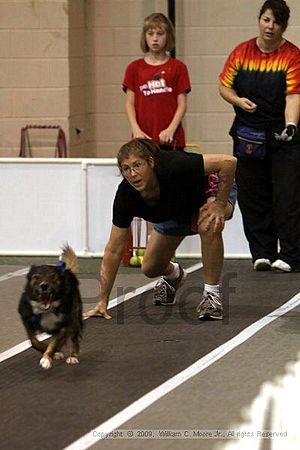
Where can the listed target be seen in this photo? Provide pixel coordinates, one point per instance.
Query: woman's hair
(144, 148)
(158, 20)
(280, 10)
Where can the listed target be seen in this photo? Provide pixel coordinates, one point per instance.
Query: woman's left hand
(212, 216)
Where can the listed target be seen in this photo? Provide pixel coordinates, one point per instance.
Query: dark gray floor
(139, 349)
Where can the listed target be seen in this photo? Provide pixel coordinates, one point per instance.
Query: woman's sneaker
(210, 307)
(165, 290)
(262, 264)
(281, 266)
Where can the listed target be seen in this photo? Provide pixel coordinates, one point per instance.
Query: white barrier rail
(46, 201)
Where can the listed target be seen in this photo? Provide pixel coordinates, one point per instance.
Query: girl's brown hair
(158, 20)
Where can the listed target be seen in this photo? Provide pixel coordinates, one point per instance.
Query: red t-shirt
(156, 89)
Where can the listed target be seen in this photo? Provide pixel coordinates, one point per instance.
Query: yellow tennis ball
(134, 261)
(141, 259)
(140, 252)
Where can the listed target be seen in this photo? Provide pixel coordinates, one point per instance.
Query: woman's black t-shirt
(182, 191)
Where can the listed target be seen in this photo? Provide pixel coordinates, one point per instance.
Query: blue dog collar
(61, 265)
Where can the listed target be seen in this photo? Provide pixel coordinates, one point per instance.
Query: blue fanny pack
(250, 143)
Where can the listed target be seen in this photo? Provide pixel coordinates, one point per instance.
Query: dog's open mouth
(46, 301)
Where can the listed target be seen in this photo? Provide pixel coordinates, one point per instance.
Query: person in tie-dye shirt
(261, 79)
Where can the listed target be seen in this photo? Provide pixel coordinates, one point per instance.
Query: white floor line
(144, 402)
(19, 348)
(22, 346)
(17, 273)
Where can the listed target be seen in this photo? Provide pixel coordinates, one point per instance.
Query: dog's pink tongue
(46, 305)
(46, 301)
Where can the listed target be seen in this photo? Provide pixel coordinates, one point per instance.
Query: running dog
(51, 303)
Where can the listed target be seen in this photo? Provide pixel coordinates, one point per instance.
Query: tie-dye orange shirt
(264, 78)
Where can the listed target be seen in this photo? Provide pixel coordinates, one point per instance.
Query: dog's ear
(31, 272)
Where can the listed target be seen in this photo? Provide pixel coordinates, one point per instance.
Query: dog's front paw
(72, 360)
(45, 362)
(58, 355)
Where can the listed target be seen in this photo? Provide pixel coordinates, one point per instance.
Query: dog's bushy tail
(69, 257)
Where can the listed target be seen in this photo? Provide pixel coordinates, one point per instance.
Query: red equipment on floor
(137, 239)
(25, 146)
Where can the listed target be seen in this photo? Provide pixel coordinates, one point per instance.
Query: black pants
(269, 200)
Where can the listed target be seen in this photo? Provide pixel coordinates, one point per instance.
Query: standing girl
(156, 86)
